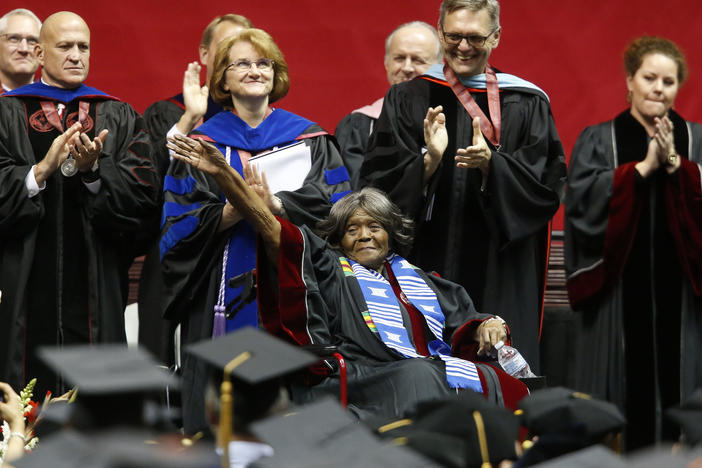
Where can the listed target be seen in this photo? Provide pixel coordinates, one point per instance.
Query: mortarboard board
(322, 434)
(268, 356)
(689, 417)
(113, 381)
(563, 411)
(107, 369)
(594, 456)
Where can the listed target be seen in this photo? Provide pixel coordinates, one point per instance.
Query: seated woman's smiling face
(365, 240)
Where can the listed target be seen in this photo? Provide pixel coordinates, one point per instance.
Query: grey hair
(17, 11)
(435, 35)
(379, 207)
(492, 7)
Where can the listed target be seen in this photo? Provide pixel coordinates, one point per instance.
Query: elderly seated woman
(407, 336)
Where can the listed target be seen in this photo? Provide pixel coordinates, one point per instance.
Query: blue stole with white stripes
(384, 310)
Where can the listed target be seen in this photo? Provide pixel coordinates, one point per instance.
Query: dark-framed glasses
(16, 39)
(475, 40)
(244, 65)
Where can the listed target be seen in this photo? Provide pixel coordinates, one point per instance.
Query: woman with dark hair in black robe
(634, 247)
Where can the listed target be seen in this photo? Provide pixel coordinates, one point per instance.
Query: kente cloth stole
(385, 317)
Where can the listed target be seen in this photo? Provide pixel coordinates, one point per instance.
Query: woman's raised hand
(194, 95)
(195, 98)
(198, 153)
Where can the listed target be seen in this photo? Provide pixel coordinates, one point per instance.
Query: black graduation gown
(634, 270)
(307, 298)
(155, 332)
(64, 253)
(493, 243)
(353, 133)
(192, 262)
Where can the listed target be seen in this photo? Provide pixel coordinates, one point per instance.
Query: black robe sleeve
(19, 214)
(462, 319)
(684, 210)
(128, 196)
(160, 117)
(394, 161)
(353, 133)
(603, 208)
(326, 182)
(190, 244)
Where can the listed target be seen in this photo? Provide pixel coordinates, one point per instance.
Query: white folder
(285, 168)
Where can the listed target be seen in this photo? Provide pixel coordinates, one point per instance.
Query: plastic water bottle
(512, 361)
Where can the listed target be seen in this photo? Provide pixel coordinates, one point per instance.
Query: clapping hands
(661, 149)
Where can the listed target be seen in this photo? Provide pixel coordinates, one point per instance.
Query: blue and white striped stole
(384, 310)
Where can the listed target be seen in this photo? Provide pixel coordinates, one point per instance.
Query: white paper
(285, 168)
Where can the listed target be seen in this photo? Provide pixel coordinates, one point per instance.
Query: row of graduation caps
(110, 424)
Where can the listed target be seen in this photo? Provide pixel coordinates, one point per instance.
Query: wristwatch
(672, 159)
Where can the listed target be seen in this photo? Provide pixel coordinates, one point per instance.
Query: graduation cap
(253, 356)
(461, 430)
(322, 434)
(113, 381)
(256, 360)
(689, 417)
(563, 411)
(566, 421)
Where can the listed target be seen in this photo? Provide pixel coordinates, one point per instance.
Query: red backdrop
(335, 49)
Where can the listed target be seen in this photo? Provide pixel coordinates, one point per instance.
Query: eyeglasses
(244, 65)
(16, 39)
(474, 40)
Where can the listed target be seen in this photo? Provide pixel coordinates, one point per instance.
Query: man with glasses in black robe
(474, 157)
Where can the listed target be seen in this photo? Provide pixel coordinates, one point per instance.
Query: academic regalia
(192, 251)
(492, 242)
(317, 296)
(155, 332)
(633, 265)
(353, 133)
(64, 253)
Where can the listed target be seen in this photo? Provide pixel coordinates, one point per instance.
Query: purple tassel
(220, 322)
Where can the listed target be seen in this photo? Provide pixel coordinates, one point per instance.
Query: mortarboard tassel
(219, 326)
